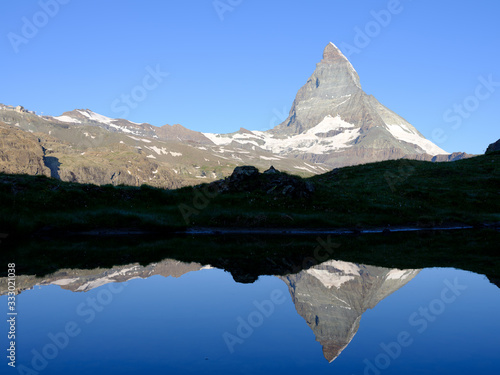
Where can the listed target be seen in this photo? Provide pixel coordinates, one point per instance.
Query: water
(185, 318)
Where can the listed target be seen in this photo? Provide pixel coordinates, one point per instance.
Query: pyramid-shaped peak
(332, 53)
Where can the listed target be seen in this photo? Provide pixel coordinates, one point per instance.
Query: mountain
(333, 296)
(333, 121)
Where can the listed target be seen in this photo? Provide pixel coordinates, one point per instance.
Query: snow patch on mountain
(313, 140)
(329, 123)
(345, 267)
(268, 158)
(159, 151)
(63, 282)
(122, 129)
(396, 274)
(96, 117)
(139, 139)
(405, 134)
(67, 119)
(329, 279)
(95, 284)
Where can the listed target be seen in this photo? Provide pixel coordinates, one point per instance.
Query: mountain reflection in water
(331, 297)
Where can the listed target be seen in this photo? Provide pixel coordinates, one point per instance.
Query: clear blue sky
(244, 70)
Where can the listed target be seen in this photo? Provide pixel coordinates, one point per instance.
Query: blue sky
(240, 65)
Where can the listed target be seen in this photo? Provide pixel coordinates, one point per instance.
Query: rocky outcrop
(454, 156)
(494, 147)
(21, 152)
(271, 182)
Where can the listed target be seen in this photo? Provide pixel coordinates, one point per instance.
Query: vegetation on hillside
(399, 192)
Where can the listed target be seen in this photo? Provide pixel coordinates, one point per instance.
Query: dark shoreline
(250, 253)
(216, 231)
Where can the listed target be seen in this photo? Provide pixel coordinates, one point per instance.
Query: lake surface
(186, 318)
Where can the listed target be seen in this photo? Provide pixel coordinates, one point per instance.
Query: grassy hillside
(402, 192)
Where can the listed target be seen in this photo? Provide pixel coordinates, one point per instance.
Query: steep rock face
(21, 152)
(333, 82)
(332, 297)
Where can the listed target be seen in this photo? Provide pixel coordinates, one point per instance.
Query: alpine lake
(368, 304)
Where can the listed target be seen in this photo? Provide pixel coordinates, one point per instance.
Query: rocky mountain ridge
(91, 148)
(86, 280)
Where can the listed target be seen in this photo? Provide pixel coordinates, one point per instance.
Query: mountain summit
(332, 84)
(333, 93)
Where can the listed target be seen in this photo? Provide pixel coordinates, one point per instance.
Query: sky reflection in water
(429, 321)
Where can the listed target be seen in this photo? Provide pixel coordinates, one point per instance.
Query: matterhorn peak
(358, 127)
(332, 53)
